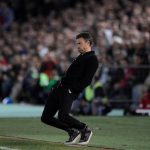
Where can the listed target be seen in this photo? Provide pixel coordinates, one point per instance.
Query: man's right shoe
(74, 136)
(86, 135)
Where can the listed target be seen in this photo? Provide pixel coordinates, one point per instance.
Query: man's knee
(43, 119)
(47, 119)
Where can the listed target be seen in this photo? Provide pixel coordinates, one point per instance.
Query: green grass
(127, 133)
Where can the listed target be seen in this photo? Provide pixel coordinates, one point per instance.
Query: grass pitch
(110, 133)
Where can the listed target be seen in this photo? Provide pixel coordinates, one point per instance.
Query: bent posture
(78, 76)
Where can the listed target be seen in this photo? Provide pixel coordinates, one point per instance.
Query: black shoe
(86, 135)
(74, 136)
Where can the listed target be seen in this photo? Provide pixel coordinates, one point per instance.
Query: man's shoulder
(92, 56)
(92, 60)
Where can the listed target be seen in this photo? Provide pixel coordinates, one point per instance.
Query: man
(78, 76)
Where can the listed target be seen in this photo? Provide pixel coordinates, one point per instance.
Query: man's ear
(89, 42)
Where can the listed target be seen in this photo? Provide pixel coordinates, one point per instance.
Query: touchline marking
(7, 148)
(24, 138)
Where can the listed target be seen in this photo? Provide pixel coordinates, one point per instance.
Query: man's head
(84, 42)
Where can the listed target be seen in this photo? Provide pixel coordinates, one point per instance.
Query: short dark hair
(87, 36)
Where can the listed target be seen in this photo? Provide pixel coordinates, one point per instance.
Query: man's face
(82, 45)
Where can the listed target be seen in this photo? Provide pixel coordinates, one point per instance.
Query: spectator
(138, 79)
(6, 16)
(145, 100)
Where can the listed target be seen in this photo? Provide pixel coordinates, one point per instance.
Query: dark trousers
(60, 100)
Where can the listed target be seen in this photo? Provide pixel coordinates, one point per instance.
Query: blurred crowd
(36, 50)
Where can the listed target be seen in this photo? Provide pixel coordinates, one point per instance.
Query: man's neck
(86, 51)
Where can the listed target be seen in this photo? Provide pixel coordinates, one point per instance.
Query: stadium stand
(37, 46)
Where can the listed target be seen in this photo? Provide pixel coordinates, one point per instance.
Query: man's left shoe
(74, 136)
(86, 135)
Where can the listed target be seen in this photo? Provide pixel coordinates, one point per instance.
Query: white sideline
(6, 148)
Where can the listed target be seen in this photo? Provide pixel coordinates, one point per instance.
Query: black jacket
(80, 73)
